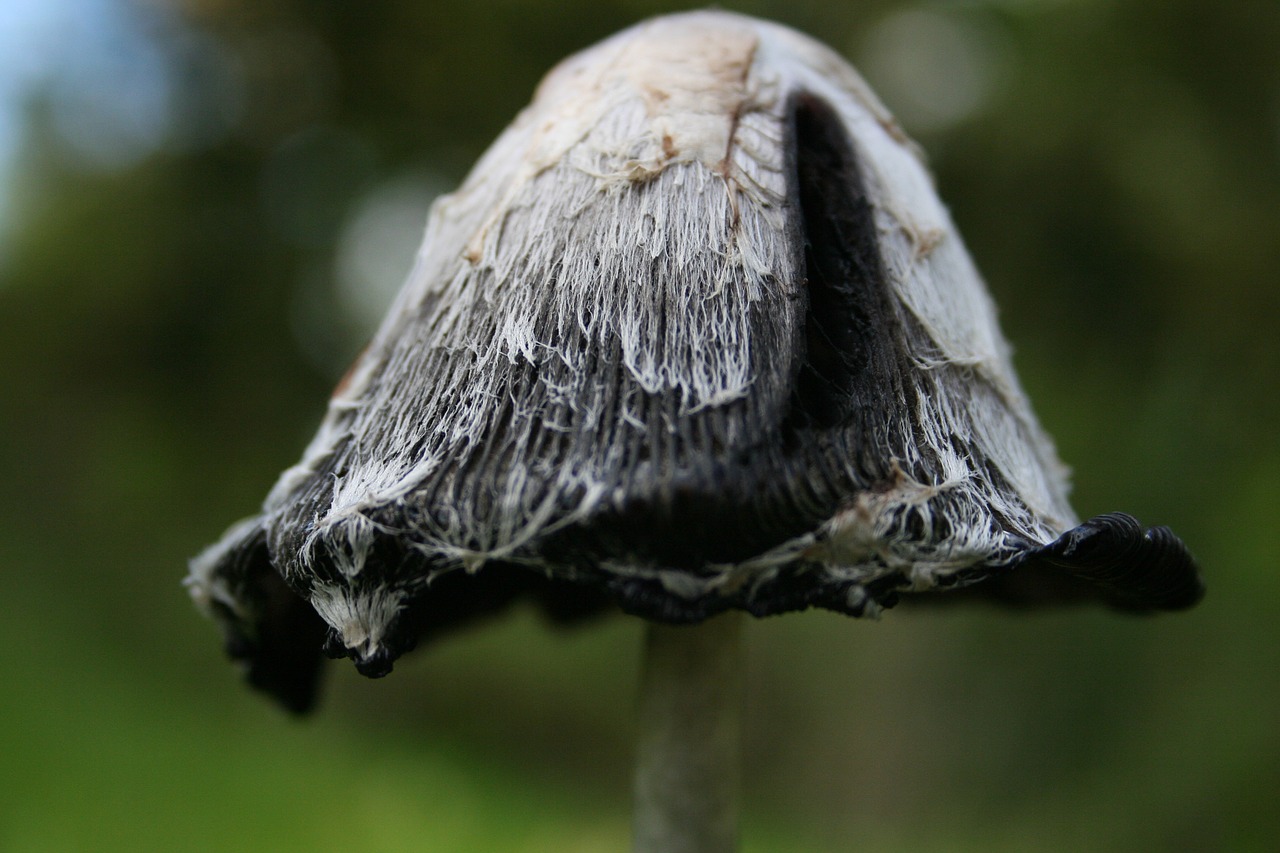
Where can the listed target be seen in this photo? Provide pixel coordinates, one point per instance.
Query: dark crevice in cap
(850, 364)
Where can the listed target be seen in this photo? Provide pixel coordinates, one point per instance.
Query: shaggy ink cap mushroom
(696, 334)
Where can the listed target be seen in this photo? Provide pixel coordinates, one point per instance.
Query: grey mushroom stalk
(695, 335)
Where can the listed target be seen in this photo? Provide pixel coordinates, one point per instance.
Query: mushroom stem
(687, 757)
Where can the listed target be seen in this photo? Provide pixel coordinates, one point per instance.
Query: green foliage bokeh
(171, 327)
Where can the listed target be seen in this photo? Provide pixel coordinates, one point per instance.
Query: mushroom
(695, 337)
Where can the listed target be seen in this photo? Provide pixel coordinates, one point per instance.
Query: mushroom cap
(696, 333)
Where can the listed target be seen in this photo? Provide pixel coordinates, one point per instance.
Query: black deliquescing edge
(1111, 558)
(1131, 567)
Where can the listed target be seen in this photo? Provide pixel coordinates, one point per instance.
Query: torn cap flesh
(696, 333)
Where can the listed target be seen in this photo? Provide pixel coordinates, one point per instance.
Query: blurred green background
(204, 206)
